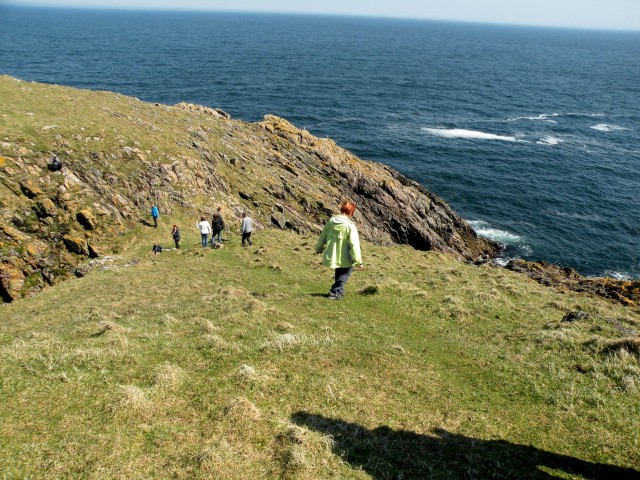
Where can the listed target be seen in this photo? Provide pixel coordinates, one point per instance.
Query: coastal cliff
(121, 155)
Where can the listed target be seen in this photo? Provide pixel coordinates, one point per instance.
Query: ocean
(530, 134)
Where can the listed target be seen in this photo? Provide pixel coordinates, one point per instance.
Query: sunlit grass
(206, 363)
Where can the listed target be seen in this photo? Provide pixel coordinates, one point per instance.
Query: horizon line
(317, 14)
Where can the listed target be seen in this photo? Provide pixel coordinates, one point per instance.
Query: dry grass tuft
(133, 398)
(169, 376)
(246, 374)
(451, 300)
(284, 327)
(235, 292)
(34, 346)
(242, 409)
(255, 306)
(284, 341)
(630, 384)
(107, 326)
(207, 325)
(297, 448)
(216, 342)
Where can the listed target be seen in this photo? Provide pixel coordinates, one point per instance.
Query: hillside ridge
(122, 155)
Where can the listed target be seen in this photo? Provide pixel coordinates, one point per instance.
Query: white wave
(578, 114)
(605, 127)
(483, 229)
(617, 275)
(471, 134)
(503, 261)
(544, 117)
(549, 140)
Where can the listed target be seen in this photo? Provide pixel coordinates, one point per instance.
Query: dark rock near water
(626, 292)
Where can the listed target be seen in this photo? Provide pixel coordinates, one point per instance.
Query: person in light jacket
(246, 229)
(205, 230)
(340, 245)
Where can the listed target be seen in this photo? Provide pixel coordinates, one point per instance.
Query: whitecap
(578, 114)
(483, 229)
(617, 275)
(549, 140)
(605, 127)
(470, 134)
(543, 117)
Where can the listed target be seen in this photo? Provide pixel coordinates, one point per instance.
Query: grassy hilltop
(230, 363)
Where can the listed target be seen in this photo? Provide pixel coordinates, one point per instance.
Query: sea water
(531, 134)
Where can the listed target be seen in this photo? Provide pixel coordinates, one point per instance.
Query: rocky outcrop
(392, 208)
(121, 155)
(626, 292)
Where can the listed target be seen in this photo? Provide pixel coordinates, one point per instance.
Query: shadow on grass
(399, 454)
(146, 223)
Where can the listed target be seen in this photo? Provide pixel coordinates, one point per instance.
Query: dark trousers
(155, 222)
(246, 237)
(342, 274)
(177, 240)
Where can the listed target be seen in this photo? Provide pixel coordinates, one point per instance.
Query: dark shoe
(335, 296)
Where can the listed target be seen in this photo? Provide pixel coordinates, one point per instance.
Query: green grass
(230, 363)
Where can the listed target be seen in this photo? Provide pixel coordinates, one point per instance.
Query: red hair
(348, 208)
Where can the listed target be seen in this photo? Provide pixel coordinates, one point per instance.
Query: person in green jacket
(340, 244)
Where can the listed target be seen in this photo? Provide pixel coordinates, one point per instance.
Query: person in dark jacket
(55, 163)
(217, 225)
(175, 233)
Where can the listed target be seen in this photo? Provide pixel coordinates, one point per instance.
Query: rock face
(625, 292)
(121, 155)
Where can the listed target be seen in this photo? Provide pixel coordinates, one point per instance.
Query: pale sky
(600, 14)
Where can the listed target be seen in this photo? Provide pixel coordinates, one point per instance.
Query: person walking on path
(221, 224)
(246, 229)
(217, 225)
(175, 233)
(205, 230)
(340, 244)
(155, 213)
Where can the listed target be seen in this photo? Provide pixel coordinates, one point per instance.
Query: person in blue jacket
(155, 213)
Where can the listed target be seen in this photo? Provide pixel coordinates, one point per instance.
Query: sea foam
(483, 229)
(617, 275)
(549, 140)
(471, 134)
(605, 127)
(543, 117)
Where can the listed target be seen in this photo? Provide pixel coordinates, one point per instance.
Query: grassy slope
(229, 364)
